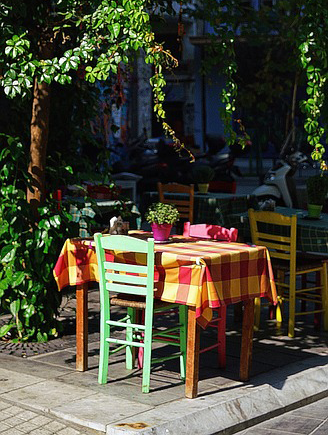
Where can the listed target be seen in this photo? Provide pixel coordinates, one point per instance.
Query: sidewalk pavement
(41, 379)
(310, 419)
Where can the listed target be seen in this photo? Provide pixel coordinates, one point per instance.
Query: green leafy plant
(160, 213)
(317, 189)
(29, 248)
(202, 174)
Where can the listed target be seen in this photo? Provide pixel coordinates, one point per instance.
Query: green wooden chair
(134, 288)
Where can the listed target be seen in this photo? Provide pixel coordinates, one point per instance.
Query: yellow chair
(278, 233)
(184, 206)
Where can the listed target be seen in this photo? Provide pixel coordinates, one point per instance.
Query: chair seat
(133, 301)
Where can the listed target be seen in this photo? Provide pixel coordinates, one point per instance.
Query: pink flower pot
(161, 232)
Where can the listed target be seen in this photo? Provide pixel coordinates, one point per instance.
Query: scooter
(279, 184)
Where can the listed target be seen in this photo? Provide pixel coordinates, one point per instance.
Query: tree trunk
(39, 140)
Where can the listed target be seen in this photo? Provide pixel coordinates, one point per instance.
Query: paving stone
(41, 431)
(54, 426)
(13, 410)
(9, 380)
(3, 405)
(317, 409)
(12, 431)
(322, 429)
(46, 394)
(26, 415)
(14, 421)
(4, 426)
(26, 366)
(40, 420)
(26, 427)
(4, 415)
(99, 410)
(292, 423)
(69, 431)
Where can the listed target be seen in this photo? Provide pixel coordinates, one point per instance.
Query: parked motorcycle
(279, 184)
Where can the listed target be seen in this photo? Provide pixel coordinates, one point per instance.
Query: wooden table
(201, 261)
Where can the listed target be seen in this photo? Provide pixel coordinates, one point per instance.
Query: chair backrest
(275, 231)
(119, 276)
(184, 206)
(208, 231)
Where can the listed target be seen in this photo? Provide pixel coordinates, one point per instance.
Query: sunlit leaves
(314, 58)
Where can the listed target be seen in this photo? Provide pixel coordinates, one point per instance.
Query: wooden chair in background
(184, 206)
(278, 233)
(134, 284)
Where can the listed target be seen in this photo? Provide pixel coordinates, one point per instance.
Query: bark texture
(39, 136)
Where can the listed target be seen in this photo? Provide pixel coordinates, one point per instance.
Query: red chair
(208, 231)
(216, 232)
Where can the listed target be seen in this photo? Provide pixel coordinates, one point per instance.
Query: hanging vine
(314, 59)
(220, 51)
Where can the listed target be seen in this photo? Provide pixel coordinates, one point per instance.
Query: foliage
(76, 35)
(259, 53)
(160, 213)
(314, 59)
(202, 174)
(317, 189)
(28, 251)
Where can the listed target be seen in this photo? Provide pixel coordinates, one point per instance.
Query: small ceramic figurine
(116, 225)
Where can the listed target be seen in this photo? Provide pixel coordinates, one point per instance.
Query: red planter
(161, 232)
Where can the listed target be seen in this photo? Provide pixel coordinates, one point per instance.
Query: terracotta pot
(314, 210)
(161, 232)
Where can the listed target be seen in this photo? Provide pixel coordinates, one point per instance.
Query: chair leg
(280, 278)
(257, 313)
(147, 350)
(104, 351)
(222, 337)
(304, 284)
(130, 350)
(292, 302)
(324, 293)
(183, 315)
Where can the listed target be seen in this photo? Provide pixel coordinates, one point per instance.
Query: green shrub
(29, 248)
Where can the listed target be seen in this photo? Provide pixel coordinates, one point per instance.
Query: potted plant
(202, 175)
(317, 188)
(161, 218)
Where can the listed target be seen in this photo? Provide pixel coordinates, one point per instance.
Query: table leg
(82, 327)
(192, 368)
(247, 340)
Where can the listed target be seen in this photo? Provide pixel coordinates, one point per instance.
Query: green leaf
(18, 278)
(7, 253)
(15, 307)
(5, 329)
(116, 29)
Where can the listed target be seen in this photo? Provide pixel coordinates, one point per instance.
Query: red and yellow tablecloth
(201, 273)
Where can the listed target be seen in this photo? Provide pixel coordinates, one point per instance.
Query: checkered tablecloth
(201, 273)
(312, 235)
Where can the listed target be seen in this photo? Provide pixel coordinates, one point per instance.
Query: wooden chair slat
(276, 244)
(124, 267)
(126, 279)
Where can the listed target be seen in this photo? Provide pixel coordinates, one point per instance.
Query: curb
(291, 387)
